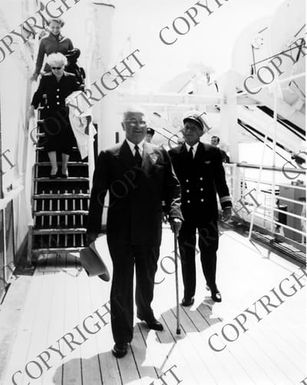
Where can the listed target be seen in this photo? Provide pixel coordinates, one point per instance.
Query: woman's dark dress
(57, 127)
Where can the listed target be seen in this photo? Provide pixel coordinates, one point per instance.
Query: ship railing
(270, 199)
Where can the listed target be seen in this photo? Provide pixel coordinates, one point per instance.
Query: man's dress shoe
(152, 323)
(120, 350)
(187, 301)
(216, 296)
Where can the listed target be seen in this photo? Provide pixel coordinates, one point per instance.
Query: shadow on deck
(51, 331)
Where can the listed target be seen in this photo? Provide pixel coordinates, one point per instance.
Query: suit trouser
(124, 257)
(208, 245)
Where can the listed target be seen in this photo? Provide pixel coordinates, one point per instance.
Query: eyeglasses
(134, 123)
(56, 68)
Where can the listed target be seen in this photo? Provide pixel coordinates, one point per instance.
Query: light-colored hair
(55, 58)
(133, 109)
(56, 20)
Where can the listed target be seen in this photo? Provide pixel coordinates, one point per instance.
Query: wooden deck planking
(100, 295)
(109, 369)
(46, 315)
(266, 355)
(201, 345)
(91, 364)
(56, 328)
(183, 353)
(128, 369)
(225, 364)
(197, 357)
(282, 368)
(270, 352)
(138, 348)
(11, 313)
(72, 370)
(226, 374)
(26, 332)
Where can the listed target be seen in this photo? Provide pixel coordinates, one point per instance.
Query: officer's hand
(227, 213)
(175, 225)
(164, 218)
(90, 237)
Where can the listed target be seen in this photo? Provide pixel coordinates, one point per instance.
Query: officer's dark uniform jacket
(200, 180)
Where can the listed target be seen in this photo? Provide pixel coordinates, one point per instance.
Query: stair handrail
(30, 161)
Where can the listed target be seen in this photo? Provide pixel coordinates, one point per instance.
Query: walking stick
(178, 330)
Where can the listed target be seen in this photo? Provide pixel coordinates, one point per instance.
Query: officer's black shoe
(152, 323)
(216, 296)
(120, 350)
(187, 301)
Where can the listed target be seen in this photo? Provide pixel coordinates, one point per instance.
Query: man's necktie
(137, 156)
(191, 153)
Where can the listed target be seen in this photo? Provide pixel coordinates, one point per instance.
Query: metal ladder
(59, 206)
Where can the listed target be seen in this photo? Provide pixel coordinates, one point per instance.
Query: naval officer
(200, 171)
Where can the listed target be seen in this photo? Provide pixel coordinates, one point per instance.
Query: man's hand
(87, 128)
(227, 213)
(175, 225)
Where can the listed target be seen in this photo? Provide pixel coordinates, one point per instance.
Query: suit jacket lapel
(199, 152)
(184, 152)
(148, 157)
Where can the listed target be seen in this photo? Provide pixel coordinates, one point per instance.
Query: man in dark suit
(215, 141)
(199, 169)
(138, 176)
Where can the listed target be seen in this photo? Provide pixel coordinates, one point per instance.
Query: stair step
(42, 148)
(68, 212)
(57, 250)
(80, 230)
(69, 179)
(60, 163)
(61, 196)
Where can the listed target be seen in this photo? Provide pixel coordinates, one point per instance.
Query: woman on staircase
(55, 87)
(52, 43)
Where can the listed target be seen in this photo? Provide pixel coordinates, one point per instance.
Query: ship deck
(40, 308)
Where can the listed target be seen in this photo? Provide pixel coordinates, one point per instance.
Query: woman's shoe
(53, 175)
(63, 175)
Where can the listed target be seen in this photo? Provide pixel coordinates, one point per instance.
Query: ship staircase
(59, 206)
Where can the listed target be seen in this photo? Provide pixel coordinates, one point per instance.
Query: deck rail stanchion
(178, 330)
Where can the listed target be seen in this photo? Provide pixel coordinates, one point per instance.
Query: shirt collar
(58, 37)
(132, 145)
(194, 147)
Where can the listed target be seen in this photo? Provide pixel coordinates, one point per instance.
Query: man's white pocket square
(154, 157)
